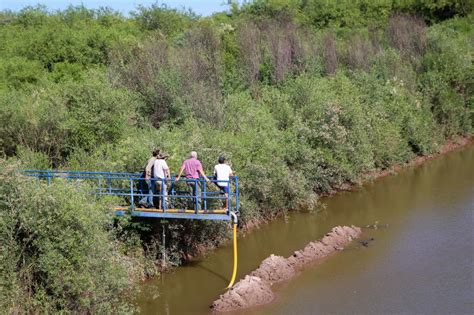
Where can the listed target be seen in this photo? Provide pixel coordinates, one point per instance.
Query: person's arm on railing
(201, 171)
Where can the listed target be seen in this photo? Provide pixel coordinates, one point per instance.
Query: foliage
(58, 118)
(161, 18)
(57, 251)
(447, 81)
(300, 96)
(347, 13)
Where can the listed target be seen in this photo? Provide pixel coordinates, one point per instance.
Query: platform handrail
(115, 184)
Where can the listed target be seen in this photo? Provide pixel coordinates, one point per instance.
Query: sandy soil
(250, 291)
(255, 289)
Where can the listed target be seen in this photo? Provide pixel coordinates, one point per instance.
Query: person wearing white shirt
(161, 174)
(223, 172)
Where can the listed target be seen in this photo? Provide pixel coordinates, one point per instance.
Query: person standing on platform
(147, 201)
(162, 174)
(222, 171)
(192, 168)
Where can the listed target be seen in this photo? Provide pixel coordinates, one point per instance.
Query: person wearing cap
(192, 168)
(161, 174)
(222, 172)
(147, 201)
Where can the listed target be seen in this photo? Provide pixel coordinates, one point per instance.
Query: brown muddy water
(423, 262)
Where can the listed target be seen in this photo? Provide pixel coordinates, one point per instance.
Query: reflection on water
(421, 263)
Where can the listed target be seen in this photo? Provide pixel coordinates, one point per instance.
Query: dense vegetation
(54, 254)
(301, 96)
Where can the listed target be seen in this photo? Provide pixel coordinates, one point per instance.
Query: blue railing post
(196, 198)
(236, 194)
(162, 193)
(204, 195)
(171, 198)
(49, 177)
(132, 199)
(229, 195)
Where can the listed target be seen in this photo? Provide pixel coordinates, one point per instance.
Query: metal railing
(191, 196)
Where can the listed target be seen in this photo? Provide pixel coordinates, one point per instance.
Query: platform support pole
(163, 262)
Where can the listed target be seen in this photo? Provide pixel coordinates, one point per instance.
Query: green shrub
(405, 119)
(18, 71)
(333, 124)
(32, 119)
(447, 80)
(297, 108)
(168, 21)
(75, 35)
(33, 160)
(62, 117)
(57, 250)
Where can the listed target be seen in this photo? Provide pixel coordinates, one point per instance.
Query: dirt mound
(337, 239)
(250, 291)
(340, 236)
(255, 289)
(274, 269)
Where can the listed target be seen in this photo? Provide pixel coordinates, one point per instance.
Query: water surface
(421, 263)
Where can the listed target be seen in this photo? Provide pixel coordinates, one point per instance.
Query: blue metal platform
(183, 199)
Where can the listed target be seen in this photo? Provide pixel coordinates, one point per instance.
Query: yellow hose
(234, 272)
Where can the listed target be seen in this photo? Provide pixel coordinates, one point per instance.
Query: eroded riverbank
(394, 200)
(451, 145)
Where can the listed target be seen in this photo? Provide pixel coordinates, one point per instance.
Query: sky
(202, 7)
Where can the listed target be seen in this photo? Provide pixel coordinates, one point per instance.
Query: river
(421, 263)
